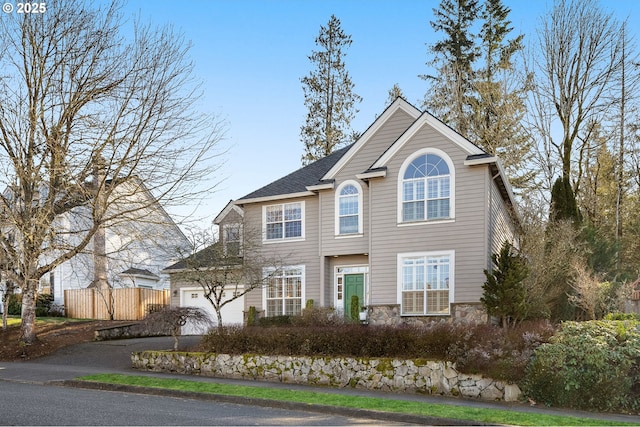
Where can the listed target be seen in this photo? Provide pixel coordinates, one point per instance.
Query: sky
(251, 55)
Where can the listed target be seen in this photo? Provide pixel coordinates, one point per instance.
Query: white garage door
(194, 297)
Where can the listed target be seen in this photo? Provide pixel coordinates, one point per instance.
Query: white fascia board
(275, 198)
(398, 104)
(230, 206)
(374, 174)
(318, 187)
(481, 161)
(438, 126)
(501, 174)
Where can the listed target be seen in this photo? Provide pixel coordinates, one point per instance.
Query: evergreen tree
(498, 98)
(563, 202)
(454, 57)
(475, 90)
(394, 93)
(504, 292)
(328, 95)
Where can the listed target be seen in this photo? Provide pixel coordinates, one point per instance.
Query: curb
(279, 404)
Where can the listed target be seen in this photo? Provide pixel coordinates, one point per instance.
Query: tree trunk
(28, 325)
(219, 314)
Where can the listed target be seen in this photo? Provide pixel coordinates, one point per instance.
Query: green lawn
(15, 320)
(492, 416)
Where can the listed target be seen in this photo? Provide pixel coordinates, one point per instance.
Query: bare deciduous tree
(172, 319)
(579, 63)
(93, 115)
(229, 268)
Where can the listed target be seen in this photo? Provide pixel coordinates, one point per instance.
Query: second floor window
(348, 210)
(426, 189)
(232, 239)
(284, 221)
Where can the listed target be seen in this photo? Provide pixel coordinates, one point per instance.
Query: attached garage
(232, 313)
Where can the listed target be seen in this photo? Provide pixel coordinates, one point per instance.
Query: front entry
(353, 285)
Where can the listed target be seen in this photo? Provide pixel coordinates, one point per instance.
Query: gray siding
(465, 235)
(377, 144)
(480, 225)
(501, 226)
(288, 253)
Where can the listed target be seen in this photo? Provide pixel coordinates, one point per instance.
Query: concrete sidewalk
(64, 366)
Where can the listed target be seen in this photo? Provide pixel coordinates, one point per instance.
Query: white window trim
(355, 269)
(303, 300)
(452, 188)
(452, 277)
(337, 209)
(283, 239)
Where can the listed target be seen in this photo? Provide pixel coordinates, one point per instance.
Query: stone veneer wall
(414, 376)
(390, 315)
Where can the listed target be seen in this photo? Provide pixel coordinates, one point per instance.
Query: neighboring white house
(135, 249)
(133, 252)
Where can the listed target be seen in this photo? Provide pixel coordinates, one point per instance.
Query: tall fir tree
(498, 99)
(454, 57)
(328, 95)
(475, 90)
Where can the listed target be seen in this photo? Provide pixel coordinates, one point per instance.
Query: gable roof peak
(400, 104)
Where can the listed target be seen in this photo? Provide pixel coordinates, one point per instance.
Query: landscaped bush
(486, 349)
(44, 306)
(15, 304)
(588, 365)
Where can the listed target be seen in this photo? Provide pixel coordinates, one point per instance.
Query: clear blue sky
(251, 56)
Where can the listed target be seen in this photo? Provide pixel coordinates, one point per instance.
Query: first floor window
(425, 284)
(284, 292)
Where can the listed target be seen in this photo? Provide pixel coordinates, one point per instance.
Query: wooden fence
(123, 303)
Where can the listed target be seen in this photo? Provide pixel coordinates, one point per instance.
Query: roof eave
(321, 186)
(497, 170)
(275, 197)
(366, 175)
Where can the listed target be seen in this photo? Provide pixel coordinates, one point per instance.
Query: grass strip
(494, 416)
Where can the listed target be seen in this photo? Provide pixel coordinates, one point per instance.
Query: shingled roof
(298, 181)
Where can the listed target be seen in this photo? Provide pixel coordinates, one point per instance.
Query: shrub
(251, 316)
(318, 316)
(622, 316)
(275, 320)
(43, 304)
(15, 304)
(485, 349)
(588, 365)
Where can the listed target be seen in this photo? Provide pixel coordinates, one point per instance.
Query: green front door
(353, 285)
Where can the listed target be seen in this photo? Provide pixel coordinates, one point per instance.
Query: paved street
(33, 404)
(32, 384)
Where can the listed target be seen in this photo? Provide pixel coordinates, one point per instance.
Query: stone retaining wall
(128, 330)
(413, 376)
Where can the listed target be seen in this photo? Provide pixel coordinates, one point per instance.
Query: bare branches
(96, 125)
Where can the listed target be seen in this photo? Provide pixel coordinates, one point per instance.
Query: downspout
(491, 221)
(321, 258)
(368, 294)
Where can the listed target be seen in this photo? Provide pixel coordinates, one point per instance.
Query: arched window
(426, 189)
(349, 209)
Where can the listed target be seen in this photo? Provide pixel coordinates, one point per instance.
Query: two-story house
(406, 218)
